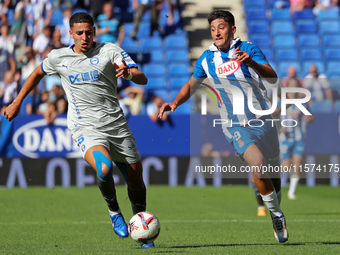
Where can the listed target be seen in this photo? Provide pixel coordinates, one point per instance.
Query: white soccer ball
(144, 227)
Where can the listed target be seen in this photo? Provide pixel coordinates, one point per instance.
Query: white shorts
(121, 149)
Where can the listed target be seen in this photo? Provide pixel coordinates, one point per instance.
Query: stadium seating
(156, 82)
(337, 106)
(258, 26)
(282, 27)
(177, 82)
(304, 14)
(286, 54)
(306, 26)
(178, 70)
(329, 27)
(268, 52)
(331, 40)
(177, 56)
(175, 42)
(254, 3)
(280, 14)
(256, 14)
(310, 53)
(261, 40)
(150, 43)
(130, 46)
(332, 54)
(284, 41)
(154, 70)
(328, 14)
(308, 40)
(318, 63)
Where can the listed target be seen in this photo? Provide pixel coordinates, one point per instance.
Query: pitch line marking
(165, 221)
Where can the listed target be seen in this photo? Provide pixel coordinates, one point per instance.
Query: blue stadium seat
(284, 41)
(57, 17)
(178, 70)
(177, 82)
(150, 43)
(324, 106)
(129, 45)
(328, 14)
(128, 27)
(177, 56)
(286, 54)
(282, 27)
(261, 40)
(329, 27)
(330, 40)
(304, 14)
(268, 52)
(175, 42)
(258, 26)
(283, 66)
(306, 26)
(254, 3)
(310, 53)
(154, 70)
(159, 82)
(332, 53)
(333, 67)
(143, 30)
(280, 14)
(156, 56)
(318, 63)
(256, 13)
(308, 40)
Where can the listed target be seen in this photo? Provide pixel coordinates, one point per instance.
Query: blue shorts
(265, 138)
(291, 147)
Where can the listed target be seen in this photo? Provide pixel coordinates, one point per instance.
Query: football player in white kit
(89, 73)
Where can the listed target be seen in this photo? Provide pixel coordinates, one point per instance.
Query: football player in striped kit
(235, 68)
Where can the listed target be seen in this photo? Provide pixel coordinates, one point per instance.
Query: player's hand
(166, 107)
(123, 70)
(12, 111)
(243, 57)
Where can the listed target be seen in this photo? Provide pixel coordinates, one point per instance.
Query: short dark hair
(221, 14)
(81, 17)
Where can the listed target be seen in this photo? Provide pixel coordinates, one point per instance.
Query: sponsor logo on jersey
(92, 76)
(94, 61)
(227, 68)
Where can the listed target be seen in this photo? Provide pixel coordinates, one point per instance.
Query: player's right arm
(32, 81)
(183, 95)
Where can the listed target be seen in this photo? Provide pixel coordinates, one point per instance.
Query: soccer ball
(144, 227)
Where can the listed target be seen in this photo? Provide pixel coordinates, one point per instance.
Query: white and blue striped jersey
(227, 76)
(293, 116)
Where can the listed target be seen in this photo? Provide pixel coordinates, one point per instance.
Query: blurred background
(300, 39)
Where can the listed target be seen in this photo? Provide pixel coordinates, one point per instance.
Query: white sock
(114, 213)
(294, 180)
(272, 203)
(279, 196)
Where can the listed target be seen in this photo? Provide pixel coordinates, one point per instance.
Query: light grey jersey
(90, 84)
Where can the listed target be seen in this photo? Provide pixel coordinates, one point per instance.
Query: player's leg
(269, 187)
(261, 209)
(99, 159)
(142, 8)
(295, 177)
(133, 175)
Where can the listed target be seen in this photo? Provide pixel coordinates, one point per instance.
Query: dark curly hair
(221, 14)
(81, 17)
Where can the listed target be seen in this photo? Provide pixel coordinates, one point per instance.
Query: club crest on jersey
(94, 61)
(227, 68)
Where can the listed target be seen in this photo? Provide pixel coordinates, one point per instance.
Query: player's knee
(103, 166)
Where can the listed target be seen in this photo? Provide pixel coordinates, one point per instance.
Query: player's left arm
(264, 70)
(133, 73)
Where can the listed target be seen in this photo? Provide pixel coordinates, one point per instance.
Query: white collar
(213, 47)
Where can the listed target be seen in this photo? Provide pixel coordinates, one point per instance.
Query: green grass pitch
(193, 221)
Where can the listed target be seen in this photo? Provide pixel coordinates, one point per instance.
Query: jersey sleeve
(48, 65)
(199, 71)
(255, 53)
(118, 54)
